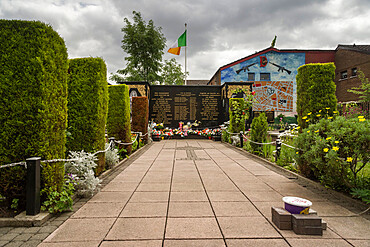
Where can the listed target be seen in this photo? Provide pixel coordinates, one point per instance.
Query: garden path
(200, 193)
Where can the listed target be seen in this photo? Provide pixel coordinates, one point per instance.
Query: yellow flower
(362, 119)
(326, 150)
(320, 110)
(309, 113)
(337, 142)
(335, 148)
(298, 127)
(327, 108)
(307, 120)
(349, 159)
(316, 131)
(308, 131)
(296, 152)
(335, 112)
(328, 138)
(304, 117)
(330, 117)
(318, 115)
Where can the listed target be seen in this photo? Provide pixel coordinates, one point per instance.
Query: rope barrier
(122, 143)
(259, 143)
(103, 151)
(291, 146)
(13, 164)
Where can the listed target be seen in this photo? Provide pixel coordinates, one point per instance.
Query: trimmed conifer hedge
(315, 92)
(118, 123)
(140, 115)
(87, 106)
(33, 103)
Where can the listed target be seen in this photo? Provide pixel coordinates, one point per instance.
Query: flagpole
(186, 37)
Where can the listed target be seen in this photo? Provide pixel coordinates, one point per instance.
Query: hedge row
(237, 118)
(87, 106)
(315, 91)
(118, 123)
(140, 115)
(33, 102)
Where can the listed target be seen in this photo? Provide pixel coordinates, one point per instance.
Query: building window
(251, 76)
(265, 76)
(354, 72)
(343, 75)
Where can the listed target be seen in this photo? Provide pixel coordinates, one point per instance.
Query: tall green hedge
(315, 92)
(259, 129)
(87, 106)
(33, 102)
(118, 124)
(140, 115)
(237, 115)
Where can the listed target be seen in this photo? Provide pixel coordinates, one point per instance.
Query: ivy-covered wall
(237, 115)
(118, 124)
(87, 106)
(140, 115)
(315, 91)
(33, 102)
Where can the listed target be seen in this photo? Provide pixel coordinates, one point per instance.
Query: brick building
(348, 60)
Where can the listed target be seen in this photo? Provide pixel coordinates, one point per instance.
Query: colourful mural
(273, 96)
(275, 72)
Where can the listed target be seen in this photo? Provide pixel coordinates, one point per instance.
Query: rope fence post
(33, 186)
(278, 148)
(241, 139)
(111, 140)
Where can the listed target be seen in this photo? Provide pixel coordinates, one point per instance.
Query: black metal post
(33, 186)
(278, 148)
(241, 139)
(112, 139)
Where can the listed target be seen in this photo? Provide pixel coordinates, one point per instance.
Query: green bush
(118, 124)
(237, 115)
(336, 152)
(33, 101)
(315, 91)
(87, 106)
(258, 132)
(140, 115)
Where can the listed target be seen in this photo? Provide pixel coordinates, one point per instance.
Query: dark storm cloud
(219, 32)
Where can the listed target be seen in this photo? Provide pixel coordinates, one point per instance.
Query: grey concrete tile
(190, 209)
(256, 242)
(40, 236)
(195, 243)
(150, 197)
(196, 228)
(318, 242)
(137, 228)
(327, 234)
(99, 210)
(360, 243)
(187, 186)
(3, 242)
(47, 229)
(188, 196)
(81, 230)
(157, 209)
(247, 227)
(120, 186)
(14, 244)
(31, 243)
(234, 209)
(152, 187)
(350, 227)
(23, 237)
(226, 196)
(137, 243)
(71, 244)
(8, 236)
(34, 229)
(263, 196)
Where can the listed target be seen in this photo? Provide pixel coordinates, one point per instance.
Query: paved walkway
(199, 193)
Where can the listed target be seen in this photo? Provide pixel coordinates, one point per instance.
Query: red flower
(253, 93)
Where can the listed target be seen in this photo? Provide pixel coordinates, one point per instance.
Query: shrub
(111, 157)
(87, 106)
(33, 101)
(118, 124)
(237, 115)
(315, 91)
(140, 115)
(83, 170)
(335, 152)
(259, 132)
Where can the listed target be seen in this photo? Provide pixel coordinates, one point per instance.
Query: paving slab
(145, 209)
(350, 227)
(222, 196)
(137, 228)
(192, 228)
(188, 196)
(150, 197)
(112, 196)
(71, 244)
(195, 243)
(318, 242)
(257, 242)
(99, 210)
(190, 209)
(137, 243)
(234, 209)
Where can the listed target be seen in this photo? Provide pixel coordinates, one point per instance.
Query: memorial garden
(60, 116)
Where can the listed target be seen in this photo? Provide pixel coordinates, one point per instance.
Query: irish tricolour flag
(181, 41)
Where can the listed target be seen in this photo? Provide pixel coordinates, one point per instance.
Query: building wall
(320, 56)
(345, 60)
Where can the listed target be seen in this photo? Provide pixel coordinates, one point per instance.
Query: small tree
(259, 129)
(364, 89)
(144, 44)
(172, 73)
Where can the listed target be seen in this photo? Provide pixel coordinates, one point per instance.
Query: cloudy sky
(219, 32)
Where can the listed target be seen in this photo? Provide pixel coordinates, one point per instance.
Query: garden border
(339, 198)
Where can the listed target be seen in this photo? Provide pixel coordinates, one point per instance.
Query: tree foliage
(364, 89)
(144, 44)
(172, 73)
